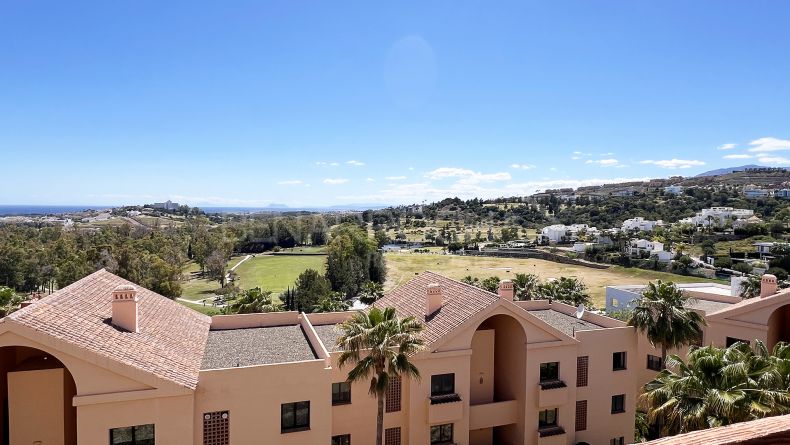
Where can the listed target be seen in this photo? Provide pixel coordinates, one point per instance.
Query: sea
(14, 210)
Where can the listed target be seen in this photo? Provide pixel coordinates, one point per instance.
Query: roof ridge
(461, 283)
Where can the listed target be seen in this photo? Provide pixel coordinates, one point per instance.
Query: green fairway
(276, 272)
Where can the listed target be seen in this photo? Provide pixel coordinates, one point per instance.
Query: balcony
(552, 436)
(552, 393)
(488, 415)
(445, 408)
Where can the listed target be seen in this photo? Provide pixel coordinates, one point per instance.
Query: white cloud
(522, 166)
(369, 179)
(774, 160)
(726, 146)
(355, 163)
(331, 164)
(579, 155)
(411, 169)
(290, 182)
(610, 162)
(738, 156)
(467, 176)
(335, 181)
(395, 178)
(763, 145)
(674, 163)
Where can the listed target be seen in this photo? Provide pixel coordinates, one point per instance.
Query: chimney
(433, 299)
(767, 285)
(124, 307)
(506, 291)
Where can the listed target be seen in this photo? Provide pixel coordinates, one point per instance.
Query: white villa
(558, 233)
(673, 189)
(717, 216)
(637, 247)
(640, 224)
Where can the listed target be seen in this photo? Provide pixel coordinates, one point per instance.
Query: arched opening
(779, 326)
(498, 374)
(37, 392)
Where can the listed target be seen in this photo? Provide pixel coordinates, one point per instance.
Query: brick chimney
(433, 299)
(506, 290)
(767, 285)
(124, 307)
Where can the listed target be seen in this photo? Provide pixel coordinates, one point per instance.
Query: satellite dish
(580, 311)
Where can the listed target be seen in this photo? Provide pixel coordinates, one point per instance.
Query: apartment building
(124, 365)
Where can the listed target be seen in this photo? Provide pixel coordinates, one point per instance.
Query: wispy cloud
(769, 144)
(580, 155)
(467, 176)
(726, 146)
(330, 164)
(774, 160)
(737, 156)
(370, 179)
(522, 166)
(335, 181)
(355, 163)
(290, 182)
(674, 163)
(395, 178)
(610, 162)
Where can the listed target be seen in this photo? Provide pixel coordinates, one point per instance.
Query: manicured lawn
(401, 267)
(277, 272)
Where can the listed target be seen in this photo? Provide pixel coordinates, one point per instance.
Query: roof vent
(767, 285)
(433, 299)
(124, 307)
(506, 290)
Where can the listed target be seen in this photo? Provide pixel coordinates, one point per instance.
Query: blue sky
(324, 103)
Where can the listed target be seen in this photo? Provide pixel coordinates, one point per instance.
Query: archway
(498, 374)
(779, 326)
(37, 392)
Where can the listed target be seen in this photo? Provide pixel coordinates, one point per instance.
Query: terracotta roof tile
(734, 434)
(460, 303)
(170, 343)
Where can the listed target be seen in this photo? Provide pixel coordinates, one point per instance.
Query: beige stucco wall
(38, 414)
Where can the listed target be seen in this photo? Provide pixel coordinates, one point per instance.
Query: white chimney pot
(125, 308)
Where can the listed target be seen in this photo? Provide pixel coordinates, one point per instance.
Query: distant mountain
(724, 171)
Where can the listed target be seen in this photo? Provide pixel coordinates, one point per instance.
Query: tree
(216, 264)
(719, 386)
(490, 284)
(662, 314)
(333, 302)
(371, 292)
(10, 301)
(379, 346)
(311, 287)
(352, 259)
(252, 301)
(526, 285)
(750, 287)
(568, 290)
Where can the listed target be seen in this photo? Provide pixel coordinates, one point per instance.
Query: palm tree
(334, 302)
(527, 285)
(379, 345)
(568, 290)
(750, 287)
(717, 386)
(662, 313)
(252, 301)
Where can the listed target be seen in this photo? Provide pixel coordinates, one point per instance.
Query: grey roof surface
(256, 346)
(708, 306)
(328, 333)
(564, 322)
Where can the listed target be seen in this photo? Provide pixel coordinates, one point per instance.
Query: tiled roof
(169, 344)
(256, 346)
(460, 303)
(763, 431)
(328, 334)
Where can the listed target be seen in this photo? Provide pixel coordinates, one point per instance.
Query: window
(618, 361)
(617, 441)
(343, 439)
(582, 367)
(615, 303)
(442, 384)
(442, 433)
(216, 428)
(341, 393)
(392, 403)
(654, 362)
(392, 436)
(132, 435)
(547, 418)
(618, 404)
(294, 416)
(732, 340)
(581, 415)
(549, 371)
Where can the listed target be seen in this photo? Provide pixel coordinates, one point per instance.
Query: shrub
(743, 267)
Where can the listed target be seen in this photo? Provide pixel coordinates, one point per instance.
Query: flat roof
(232, 348)
(708, 306)
(328, 334)
(568, 324)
